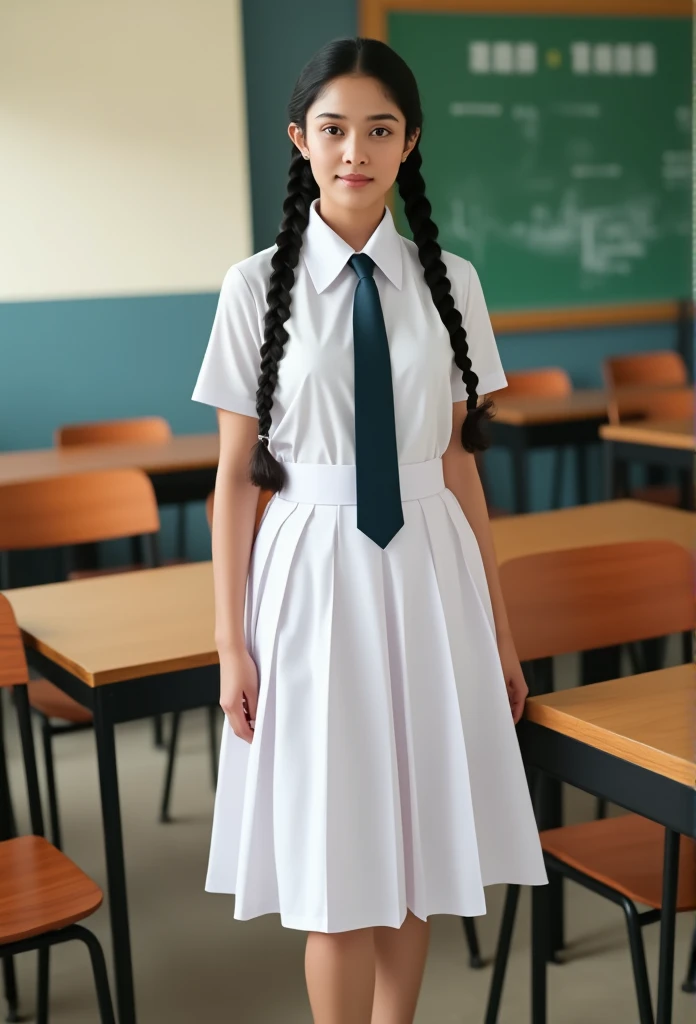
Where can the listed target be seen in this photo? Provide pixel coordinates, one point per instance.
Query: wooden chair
(579, 600)
(654, 371)
(140, 430)
(143, 430)
(655, 404)
(665, 368)
(668, 404)
(64, 512)
(551, 381)
(43, 894)
(668, 396)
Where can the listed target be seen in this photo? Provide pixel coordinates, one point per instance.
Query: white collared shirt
(313, 412)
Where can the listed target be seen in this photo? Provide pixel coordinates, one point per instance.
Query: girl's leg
(400, 955)
(340, 971)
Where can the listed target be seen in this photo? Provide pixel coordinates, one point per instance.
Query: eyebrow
(370, 117)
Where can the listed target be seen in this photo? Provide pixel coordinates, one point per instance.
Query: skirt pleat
(384, 773)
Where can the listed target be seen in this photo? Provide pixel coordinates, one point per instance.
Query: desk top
(672, 434)
(182, 452)
(606, 522)
(126, 626)
(646, 719)
(583, 404)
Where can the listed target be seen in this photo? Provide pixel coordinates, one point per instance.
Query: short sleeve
(228, 377)
(483, 350)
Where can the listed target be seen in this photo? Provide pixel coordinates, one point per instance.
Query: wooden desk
(669, 444)
(521, 424)
(675, 434)
(111, 629)
(127, 647)
(584, 404)
(604, 522)
(630, 740)
(182, 469)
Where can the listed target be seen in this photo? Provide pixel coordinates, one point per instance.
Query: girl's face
(354, 129)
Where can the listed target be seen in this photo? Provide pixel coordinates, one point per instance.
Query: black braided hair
(375, 59)
(265, 470)
(418, 209)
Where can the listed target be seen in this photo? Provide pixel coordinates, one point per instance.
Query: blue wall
(101, 358)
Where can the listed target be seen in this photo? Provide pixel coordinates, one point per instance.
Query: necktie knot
(362, 264)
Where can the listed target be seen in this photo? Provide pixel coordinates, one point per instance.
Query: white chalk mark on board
(462, 108)
(587, 110)
(606, 239)
(613, 58)
(598, 171)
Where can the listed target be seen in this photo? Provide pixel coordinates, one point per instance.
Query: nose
(353, 153)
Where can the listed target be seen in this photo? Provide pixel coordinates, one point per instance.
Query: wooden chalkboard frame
(373, 20)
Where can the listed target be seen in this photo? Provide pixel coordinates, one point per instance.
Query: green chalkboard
(557, 152)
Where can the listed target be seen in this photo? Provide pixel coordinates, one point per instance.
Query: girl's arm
(462, 478)
(234, 519)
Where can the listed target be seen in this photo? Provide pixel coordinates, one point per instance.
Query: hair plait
(418, 213)
(265, 471)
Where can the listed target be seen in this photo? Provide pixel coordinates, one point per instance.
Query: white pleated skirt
(384, 773)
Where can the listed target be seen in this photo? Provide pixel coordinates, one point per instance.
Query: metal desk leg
(670, 880)
(540, 945)
(582, 456)
(520, 472)
(10, 982)
(115, 865)
(615, 473)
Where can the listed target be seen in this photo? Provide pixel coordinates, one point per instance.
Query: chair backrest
(656, 404)
(659, 369)
(14, 672)
(549, 381)
(144, 430)
(575, 600)
(13, 664)
(79, 508)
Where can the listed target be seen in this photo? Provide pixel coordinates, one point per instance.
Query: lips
(354, 177)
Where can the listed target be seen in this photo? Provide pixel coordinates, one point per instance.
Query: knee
(354, 938)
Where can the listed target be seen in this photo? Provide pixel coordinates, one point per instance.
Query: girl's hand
(239, 688)
(514, 677)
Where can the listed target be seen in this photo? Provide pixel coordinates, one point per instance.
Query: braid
(418, 209)
(265, 471)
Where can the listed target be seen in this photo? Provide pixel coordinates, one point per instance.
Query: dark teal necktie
(380, 514)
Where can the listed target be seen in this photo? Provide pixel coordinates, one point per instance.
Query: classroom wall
(103, 354)
(124, 147)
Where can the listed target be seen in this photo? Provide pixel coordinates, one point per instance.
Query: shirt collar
(326, 253)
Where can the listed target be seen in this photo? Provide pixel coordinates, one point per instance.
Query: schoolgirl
(370, 774)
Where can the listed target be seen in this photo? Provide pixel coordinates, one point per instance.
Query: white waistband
(318, 484)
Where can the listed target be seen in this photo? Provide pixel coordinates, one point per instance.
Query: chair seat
(53, 703)
(625, 853)
(41, 889)
(114, 570)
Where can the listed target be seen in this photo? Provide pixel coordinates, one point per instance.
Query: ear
(297, 136)
(410, 143)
